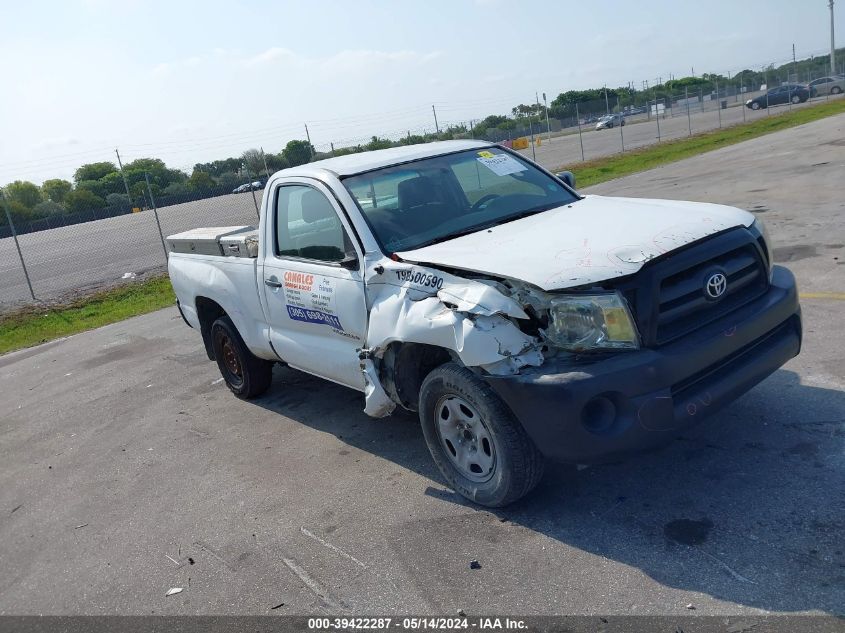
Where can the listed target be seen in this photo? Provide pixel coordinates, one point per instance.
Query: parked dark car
(794, 93)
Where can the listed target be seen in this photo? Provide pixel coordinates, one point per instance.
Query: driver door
(311, 283)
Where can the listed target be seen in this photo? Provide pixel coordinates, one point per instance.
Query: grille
(668, 296)
(683, 305)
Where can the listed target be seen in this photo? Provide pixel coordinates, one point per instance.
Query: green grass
(598, 170)
(34, 324)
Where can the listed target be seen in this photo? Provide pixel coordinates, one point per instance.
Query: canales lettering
(298, 281)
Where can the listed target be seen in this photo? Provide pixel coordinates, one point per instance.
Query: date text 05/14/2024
(412, 623)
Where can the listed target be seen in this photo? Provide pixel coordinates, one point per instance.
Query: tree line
(102, 185)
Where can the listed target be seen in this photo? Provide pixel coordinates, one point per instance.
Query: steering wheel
(483, 200)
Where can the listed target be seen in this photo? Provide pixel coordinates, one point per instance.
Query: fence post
(17, 245)
(718, 102)
(686, 100)
(621, 135)
(251, 190)
(155, 212)
(578, 121)
(656, 112)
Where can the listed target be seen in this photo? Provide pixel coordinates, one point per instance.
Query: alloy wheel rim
(465, 438)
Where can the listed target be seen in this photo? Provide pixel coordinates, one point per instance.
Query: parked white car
(609, 121)
(521, 320)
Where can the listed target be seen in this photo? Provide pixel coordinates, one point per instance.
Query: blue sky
(192, 81)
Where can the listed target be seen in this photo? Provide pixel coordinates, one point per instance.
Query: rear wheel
(479, 447)
(835, 90)
(796, 99)
(246, 375)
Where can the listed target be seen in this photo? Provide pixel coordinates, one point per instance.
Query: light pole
(832, 47)
(548, 127)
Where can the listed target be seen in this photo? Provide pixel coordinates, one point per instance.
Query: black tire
(755, 105)
(246, 375)
(796, 99)
(517, 465)
(835, 90)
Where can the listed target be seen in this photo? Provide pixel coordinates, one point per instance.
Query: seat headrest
(315, 207)
(416, 191)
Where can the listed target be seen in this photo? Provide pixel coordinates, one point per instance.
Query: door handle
(273, 282)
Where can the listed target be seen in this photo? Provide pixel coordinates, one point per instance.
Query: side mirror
(350, 262)
(568, 177)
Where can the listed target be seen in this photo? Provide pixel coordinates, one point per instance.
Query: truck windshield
(435, 199)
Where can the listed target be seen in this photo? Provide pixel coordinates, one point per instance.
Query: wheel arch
(208, 311)
(404, 366)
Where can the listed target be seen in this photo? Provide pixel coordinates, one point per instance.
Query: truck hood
(589, 241)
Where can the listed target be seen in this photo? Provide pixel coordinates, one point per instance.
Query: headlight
(760, 229)
(584, 322)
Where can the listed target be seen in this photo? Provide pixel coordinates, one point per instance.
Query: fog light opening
(599, 415)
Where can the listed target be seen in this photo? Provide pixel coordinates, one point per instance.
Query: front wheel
(479, 447)
(246, 375)
(835, 90)
(755, 105)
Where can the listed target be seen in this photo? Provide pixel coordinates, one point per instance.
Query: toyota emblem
(716, 285)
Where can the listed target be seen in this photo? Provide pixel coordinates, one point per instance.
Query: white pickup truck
(522, 320)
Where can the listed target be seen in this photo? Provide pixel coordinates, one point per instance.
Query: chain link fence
(68, 250)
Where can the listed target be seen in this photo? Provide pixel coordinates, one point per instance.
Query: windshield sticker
(502, 164)
(486, 154)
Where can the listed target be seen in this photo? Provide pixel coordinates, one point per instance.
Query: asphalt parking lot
(127, 468)
(641, 131)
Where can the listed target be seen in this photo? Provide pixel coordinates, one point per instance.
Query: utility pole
(832, 47)
(125, 183)
(310, 147)
(264, 158)
(436, 126)
(548, 126)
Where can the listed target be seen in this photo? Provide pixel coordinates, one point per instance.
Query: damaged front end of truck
(422, 316)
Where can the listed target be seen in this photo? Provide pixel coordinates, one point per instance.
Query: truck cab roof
(352, 164)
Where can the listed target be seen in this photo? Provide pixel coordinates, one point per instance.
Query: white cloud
(53, 143)
(164, 69)
(346, 61)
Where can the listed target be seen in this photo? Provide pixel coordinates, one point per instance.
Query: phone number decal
(313, 316)
(420, 278)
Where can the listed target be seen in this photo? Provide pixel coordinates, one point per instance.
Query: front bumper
(593, 408)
